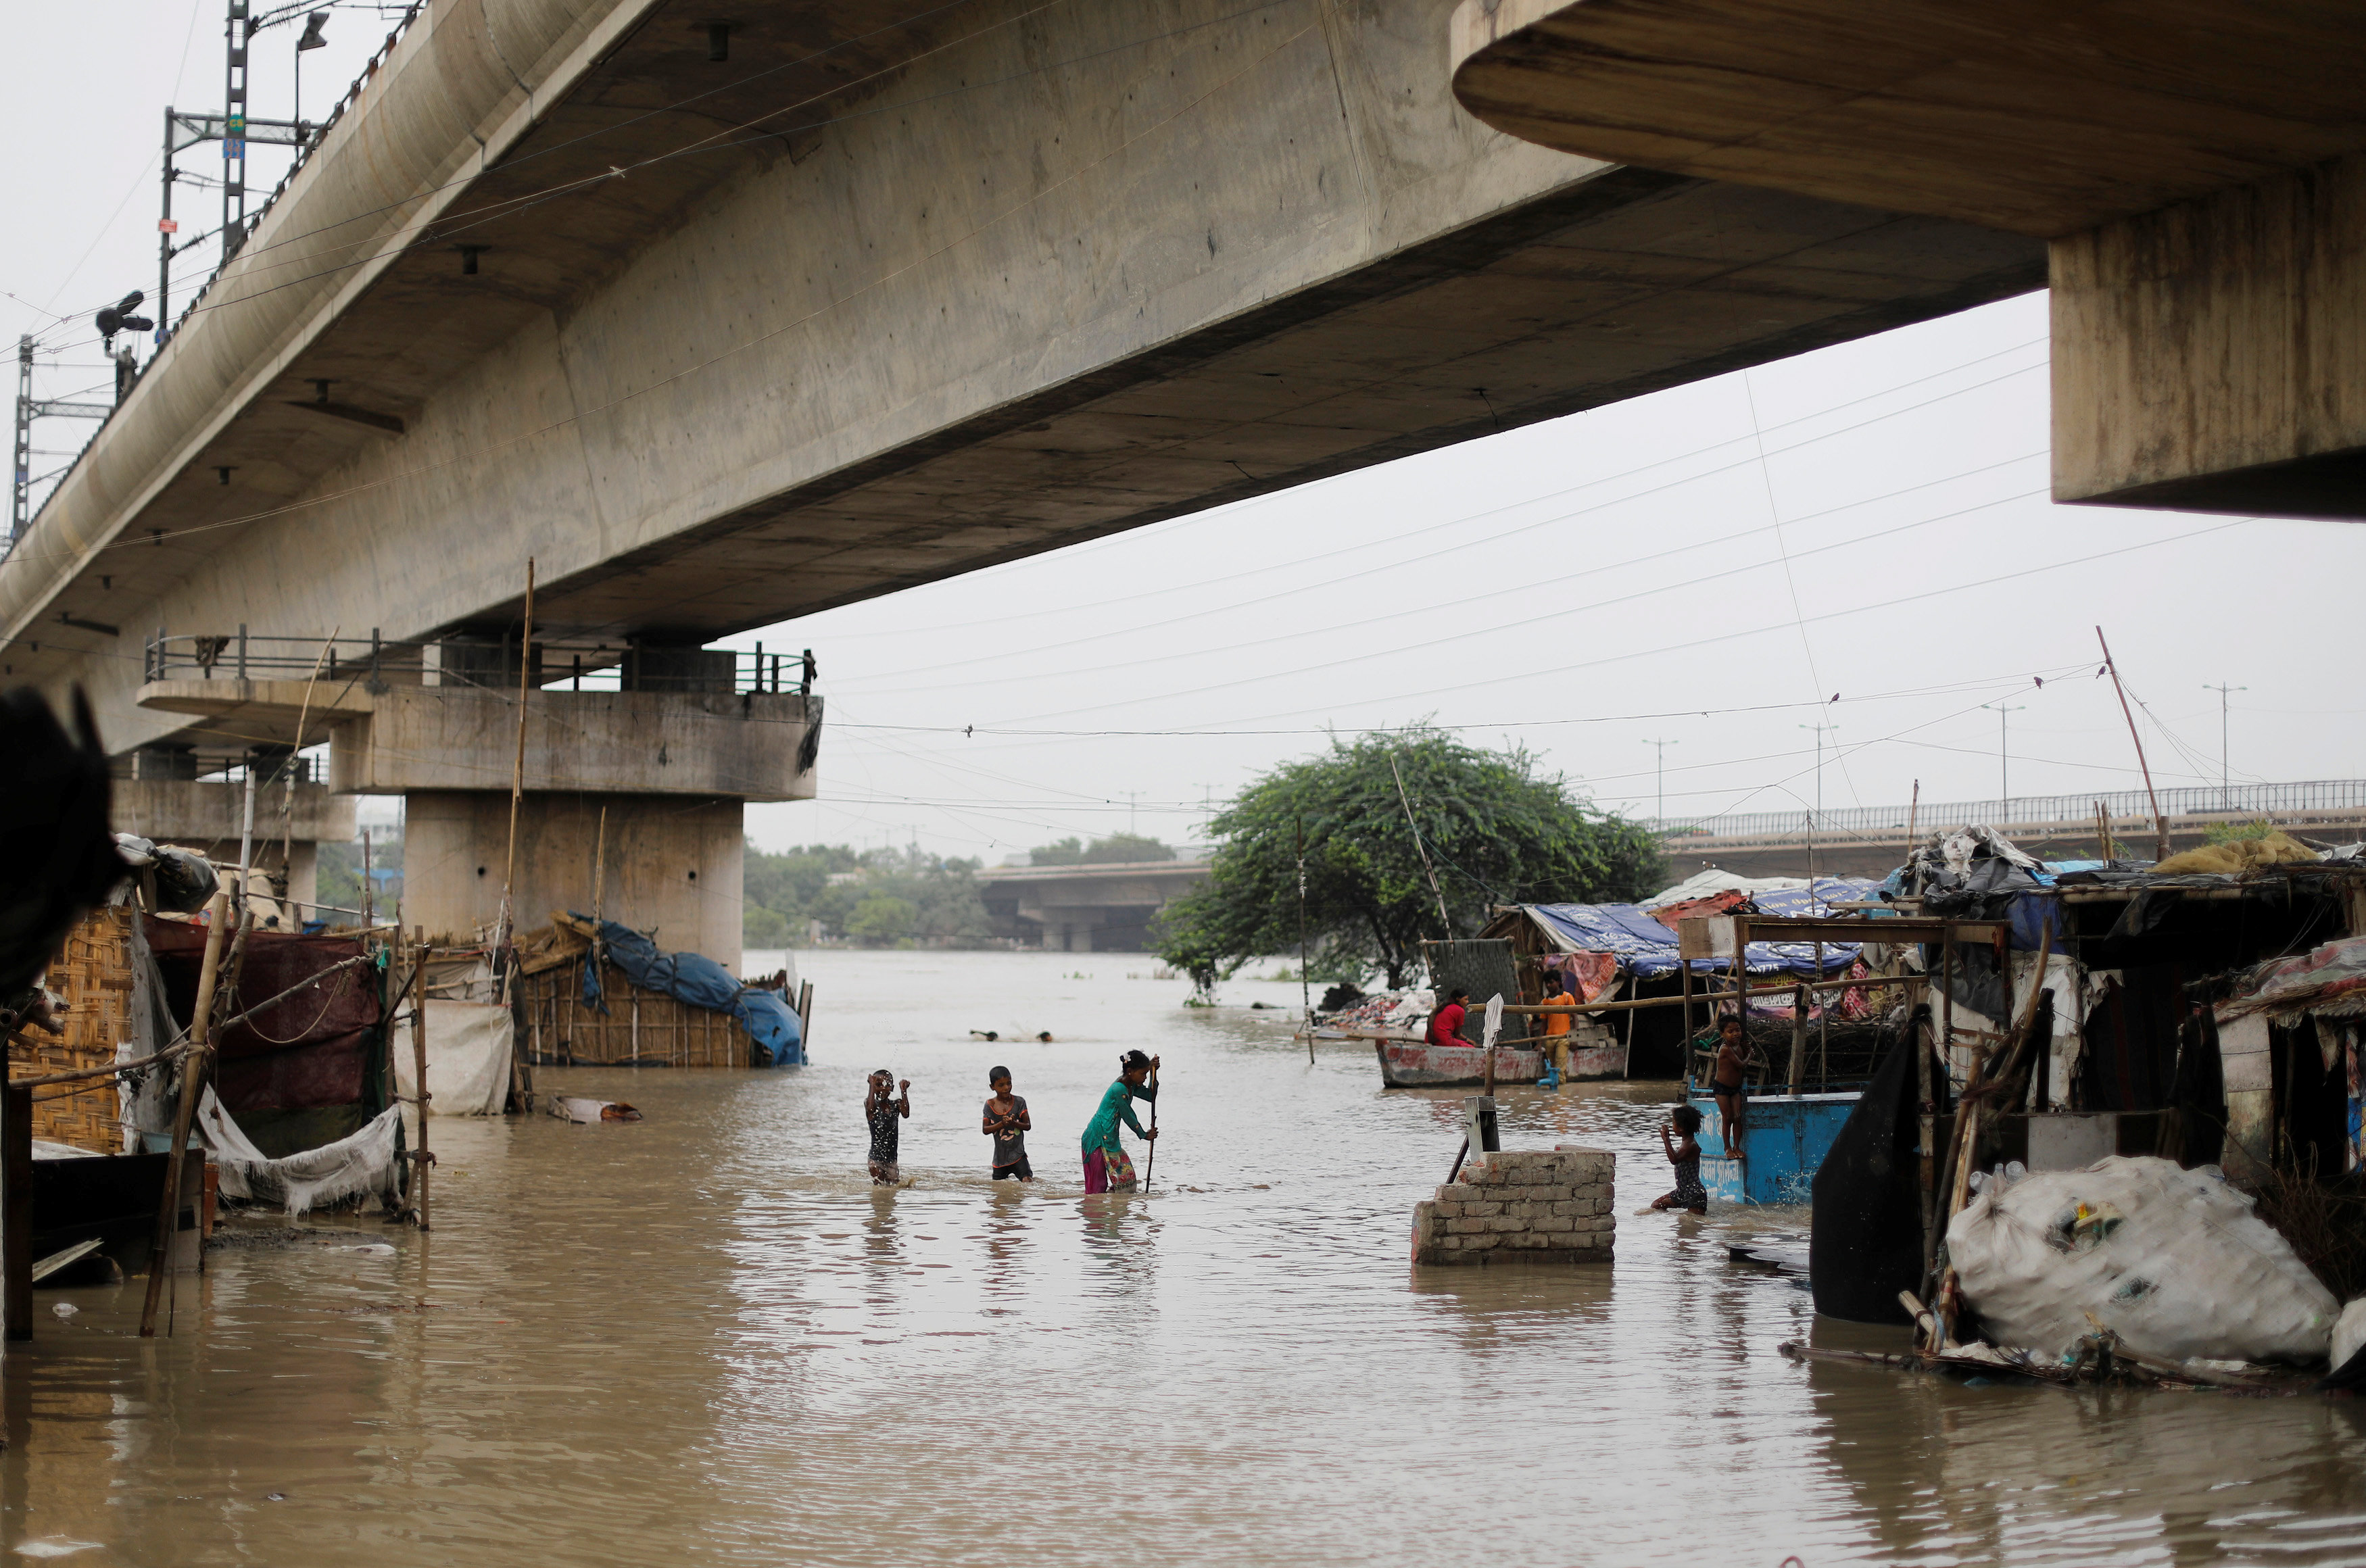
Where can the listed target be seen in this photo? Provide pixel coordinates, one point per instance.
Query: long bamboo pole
(421, 1160)
(1305, 987)
(517, 780)
(1426, 869)
(193, 1068)
(2160, 822)
(288, 802)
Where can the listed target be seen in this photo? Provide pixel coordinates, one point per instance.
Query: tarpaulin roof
(701, 981)
(1647, 948)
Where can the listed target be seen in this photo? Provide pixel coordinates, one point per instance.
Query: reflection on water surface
(706, 1338)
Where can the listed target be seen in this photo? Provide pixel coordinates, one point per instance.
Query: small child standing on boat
(1689, 1194)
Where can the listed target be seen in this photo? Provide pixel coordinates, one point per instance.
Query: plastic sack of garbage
(2172, 1260)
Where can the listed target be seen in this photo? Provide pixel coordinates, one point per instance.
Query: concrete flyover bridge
(727, 320)
(1085, 908)
(2198, 172)
(1873, 841)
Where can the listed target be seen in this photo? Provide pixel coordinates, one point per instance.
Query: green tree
(882, 918)
(1117, 849)
(1497, 831)
(1124, 849)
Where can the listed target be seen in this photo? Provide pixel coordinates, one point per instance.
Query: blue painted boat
(1786, 1137)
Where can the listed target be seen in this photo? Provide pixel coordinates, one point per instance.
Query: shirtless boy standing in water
(1007, 1123)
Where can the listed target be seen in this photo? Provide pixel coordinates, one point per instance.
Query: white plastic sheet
(364, 1162)
(2173, 1261)
(468, 1060)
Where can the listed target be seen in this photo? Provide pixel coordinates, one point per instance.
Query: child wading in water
(1007, 1124)
(1108, 1167)
(887, 1105)
(1685, 1157)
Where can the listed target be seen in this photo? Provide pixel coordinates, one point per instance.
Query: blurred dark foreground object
(57, 857)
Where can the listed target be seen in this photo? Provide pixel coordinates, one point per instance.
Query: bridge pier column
(672, 865)
(207, 815)
(673, 771)
(2206, 355)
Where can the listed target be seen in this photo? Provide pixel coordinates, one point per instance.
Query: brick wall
(1542, 1207)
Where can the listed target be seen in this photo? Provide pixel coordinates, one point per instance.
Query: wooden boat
(1410, 1062)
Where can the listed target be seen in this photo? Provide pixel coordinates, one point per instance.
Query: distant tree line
(892, 898)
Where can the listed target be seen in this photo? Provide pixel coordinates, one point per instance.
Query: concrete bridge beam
(1013, 279)
(2197, 170)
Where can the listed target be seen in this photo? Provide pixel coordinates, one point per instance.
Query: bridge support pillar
(672, 772)
(672, 864)
(2207, 357)
(207, 815)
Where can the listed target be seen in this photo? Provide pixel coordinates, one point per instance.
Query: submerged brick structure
(1539, 1206)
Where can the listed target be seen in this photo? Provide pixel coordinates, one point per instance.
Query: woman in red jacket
(1446, 1024)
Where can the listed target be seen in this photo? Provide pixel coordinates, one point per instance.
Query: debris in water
(65, 1309)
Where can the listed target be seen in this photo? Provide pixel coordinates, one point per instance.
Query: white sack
(2172, 1260)
(364, 1161)
(468, 1060)
(2349, 1334)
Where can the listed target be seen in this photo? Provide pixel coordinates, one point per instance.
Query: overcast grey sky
(1706, 567)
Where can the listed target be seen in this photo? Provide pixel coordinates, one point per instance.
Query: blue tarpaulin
(1647, 949)
(701, 981)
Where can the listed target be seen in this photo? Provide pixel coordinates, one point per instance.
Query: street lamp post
(1661, 769)
(2004, 764)
(2225, 788)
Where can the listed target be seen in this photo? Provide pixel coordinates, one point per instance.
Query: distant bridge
(1085, 908)
(1871, 841)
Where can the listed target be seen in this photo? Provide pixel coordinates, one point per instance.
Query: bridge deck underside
(890, 325)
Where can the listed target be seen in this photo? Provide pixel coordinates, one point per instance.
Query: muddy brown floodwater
(702, 1339)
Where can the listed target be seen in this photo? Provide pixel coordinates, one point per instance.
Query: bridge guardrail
(488, 662)
(2239, 800)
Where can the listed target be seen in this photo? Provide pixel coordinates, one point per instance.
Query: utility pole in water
(2226, 789)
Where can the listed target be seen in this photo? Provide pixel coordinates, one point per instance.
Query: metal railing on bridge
(488, 662)
(2269, 801)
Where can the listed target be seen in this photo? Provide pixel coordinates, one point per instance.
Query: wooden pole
(193, 1071)
(1798, 1036)
(287, 802)
(1914, 810)
(1426, 869)
(1152, 1164)
(370, 914)
(16, 1209)
(2160, 822)
(2102, 833)
(517, 785)
(422, 1161)
(1305, 987)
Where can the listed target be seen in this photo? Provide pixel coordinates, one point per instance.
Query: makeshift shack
(2203, 1018)
(1608, 952)
(604, 995)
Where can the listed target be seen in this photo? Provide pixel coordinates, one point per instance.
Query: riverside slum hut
(299, 1107)
(600, 993)
(2105, 1018)
(1627, 954)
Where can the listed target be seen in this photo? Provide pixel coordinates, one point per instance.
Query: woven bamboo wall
(93, 971)
(641, 1026)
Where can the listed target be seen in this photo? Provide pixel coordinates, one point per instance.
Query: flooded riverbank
(704, 1339)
